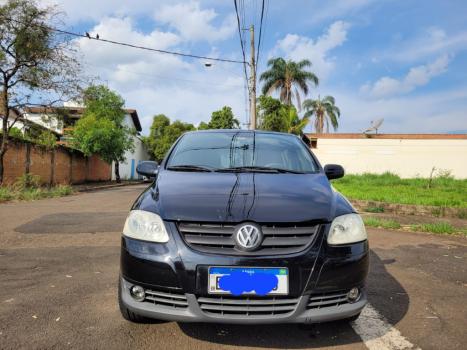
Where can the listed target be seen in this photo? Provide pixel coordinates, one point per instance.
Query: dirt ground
(59, 264)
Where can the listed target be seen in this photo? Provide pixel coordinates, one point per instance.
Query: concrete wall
(404, 155)
(128, 167)
(57, 166)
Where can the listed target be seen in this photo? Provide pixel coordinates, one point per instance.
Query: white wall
(128, 168)
(46, 120)
(404, 157)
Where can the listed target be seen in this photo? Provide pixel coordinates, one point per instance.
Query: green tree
(203, 126)
(271, 114)
(163, 134)
(288, 77)
(101, 129)
(36, 63)
(324, 111)
(295, 124)
(223, 119)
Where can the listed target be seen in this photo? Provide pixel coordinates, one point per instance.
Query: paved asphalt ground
(59, 262)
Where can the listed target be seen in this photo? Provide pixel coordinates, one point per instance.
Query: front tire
(353, 318)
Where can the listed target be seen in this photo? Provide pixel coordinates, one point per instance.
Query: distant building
(61, 120)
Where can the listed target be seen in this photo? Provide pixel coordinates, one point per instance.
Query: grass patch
(382, 223)
(29, 194)
(374, 210)
(441, 191)
(27, 188)
(438, 227)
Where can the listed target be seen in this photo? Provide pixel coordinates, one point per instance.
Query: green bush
(27, 181)
(20, 191)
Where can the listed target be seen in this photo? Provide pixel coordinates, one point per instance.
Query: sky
(404, 61)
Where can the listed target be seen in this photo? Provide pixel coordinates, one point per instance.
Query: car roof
(240, 130)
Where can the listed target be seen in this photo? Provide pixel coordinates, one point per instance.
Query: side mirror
(148, 168)
(334, 171)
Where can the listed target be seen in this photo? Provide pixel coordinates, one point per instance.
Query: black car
(242, 227)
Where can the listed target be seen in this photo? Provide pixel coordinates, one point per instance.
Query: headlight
(347, 229)
(146, 226)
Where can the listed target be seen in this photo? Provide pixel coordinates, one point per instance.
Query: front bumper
(192, 312)
(179, 273)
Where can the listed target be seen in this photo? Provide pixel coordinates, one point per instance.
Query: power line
(260, 32)
(62, 31)
(241, 39)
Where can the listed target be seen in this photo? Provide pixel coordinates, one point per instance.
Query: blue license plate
(248, 280)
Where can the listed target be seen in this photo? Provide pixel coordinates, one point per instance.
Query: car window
(224, 150)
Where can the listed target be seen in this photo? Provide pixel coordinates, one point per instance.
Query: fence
(60, 165)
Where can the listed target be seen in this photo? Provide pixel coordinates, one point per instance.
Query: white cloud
(156, 83)
(431, 112)
(194, 23)
(298, 47)
(94, 10)
(417, 76)
(326, 10)
(431, 42)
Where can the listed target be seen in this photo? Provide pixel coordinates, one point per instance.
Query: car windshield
(241, 151)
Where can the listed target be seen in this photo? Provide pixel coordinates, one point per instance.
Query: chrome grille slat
(323, 300)
(171, 301)
(330, 301)
(296, 241)
(226, 301)
(165, 294)
(247, 307)
(210, 240)
(324, 297)
(174, 300)
(219, 238)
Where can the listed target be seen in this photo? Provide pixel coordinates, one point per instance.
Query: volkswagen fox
(242, 227)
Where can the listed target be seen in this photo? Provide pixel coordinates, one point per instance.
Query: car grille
(323, 300)
(247, 306)
(169, 299)
(219, 239)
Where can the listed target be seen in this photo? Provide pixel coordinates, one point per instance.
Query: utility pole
(253, 80)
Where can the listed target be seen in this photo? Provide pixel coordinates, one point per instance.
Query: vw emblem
(248, 237)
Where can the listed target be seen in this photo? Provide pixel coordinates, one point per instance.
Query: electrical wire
(62, 31)
(260, 32)
(241, 38)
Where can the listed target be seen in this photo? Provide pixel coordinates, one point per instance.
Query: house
(61, 120)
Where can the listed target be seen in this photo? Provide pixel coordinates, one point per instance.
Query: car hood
(237, 197)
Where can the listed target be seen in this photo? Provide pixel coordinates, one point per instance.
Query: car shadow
(385, 294)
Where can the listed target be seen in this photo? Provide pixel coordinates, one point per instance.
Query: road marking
(377, 333)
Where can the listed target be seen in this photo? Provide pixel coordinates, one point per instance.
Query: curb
(408, 209)
(96, 188)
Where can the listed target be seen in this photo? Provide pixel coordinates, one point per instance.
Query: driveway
(59, 262)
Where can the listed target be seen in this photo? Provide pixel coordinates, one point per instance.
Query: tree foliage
(101, 130)
(324, 111)
(163, 134)
(288, 78)
(223, 119)
(37, 65)
(277, 116)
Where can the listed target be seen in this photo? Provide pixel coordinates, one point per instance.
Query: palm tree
(295, 125)
(325, 111)
(285, 76)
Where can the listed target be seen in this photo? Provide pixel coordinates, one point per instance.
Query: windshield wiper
(189, 168)
(261, 169)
